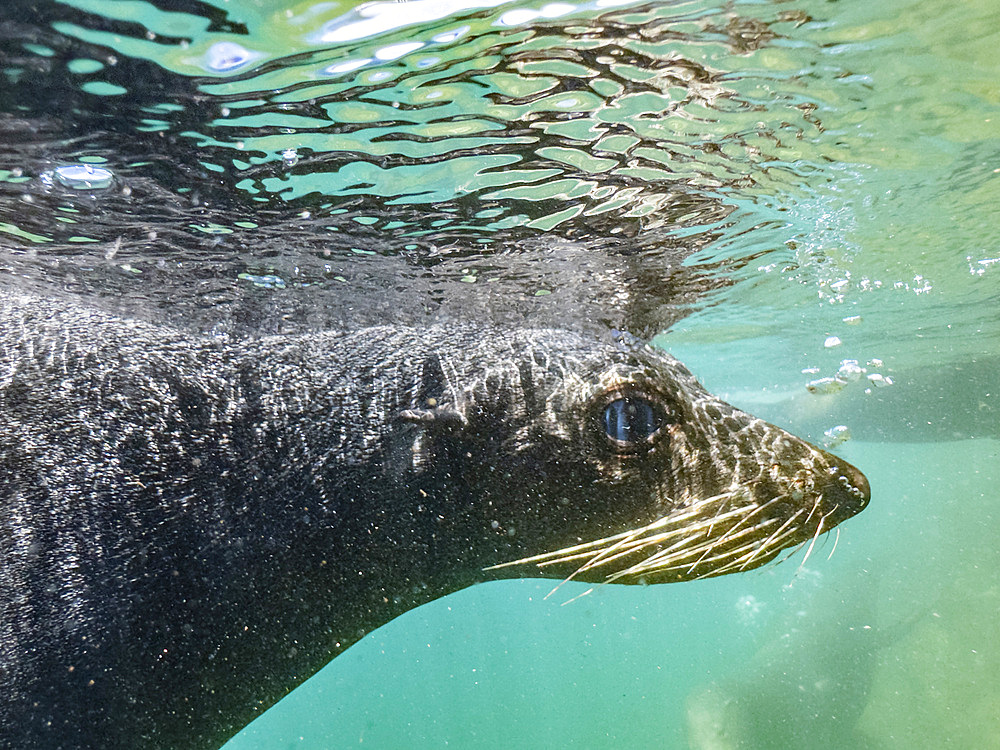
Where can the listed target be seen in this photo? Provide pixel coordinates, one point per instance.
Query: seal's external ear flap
(438, 419)
(418, 443)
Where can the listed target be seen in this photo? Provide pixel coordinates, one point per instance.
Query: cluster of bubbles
(849, 371)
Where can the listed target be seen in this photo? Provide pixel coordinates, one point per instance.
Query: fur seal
(191, 526)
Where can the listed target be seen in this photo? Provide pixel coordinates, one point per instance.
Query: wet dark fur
(192, 526)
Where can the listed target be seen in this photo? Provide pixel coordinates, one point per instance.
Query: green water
(850, 163)
(894, 641)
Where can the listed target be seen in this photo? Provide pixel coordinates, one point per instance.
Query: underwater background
(799, 199)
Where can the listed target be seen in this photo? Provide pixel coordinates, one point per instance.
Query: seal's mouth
(726, 533)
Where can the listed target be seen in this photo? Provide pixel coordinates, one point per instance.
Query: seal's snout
(860, 482)
(847, 491)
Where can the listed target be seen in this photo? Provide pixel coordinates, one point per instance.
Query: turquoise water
(837, 163)
(891, 642)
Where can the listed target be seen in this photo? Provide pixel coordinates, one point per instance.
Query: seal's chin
(725, 533)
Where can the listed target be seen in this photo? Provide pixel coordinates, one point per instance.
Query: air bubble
(850, 370)
(395, 51)
(879, 381)
(223, 57)
(518, 17)
(825, 385)
(450, 36)
(836, 435)
(346, 67)
(267, 281)
(84, 177)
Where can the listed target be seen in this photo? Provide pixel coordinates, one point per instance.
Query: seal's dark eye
(632, 419)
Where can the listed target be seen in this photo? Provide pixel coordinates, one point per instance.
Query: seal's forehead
(582, 367)
(603, 370)
(648, 366)
(624, 374)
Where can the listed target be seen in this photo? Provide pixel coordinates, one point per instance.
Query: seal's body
(192, 526)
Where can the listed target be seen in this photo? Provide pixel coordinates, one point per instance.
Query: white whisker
(836, 539)
(700, 539)
(819, 530)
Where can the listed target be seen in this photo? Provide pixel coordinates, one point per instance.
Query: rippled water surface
(784, 192)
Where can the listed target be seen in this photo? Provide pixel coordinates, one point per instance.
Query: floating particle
(748, 608)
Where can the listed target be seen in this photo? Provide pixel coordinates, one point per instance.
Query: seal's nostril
(848, 488)
(860, 482)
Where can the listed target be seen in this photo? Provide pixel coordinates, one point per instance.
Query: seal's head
(617, 463)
